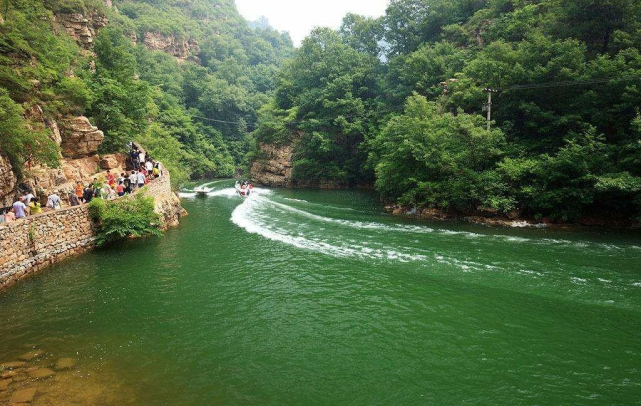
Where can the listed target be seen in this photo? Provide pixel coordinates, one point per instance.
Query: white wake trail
(246, 216)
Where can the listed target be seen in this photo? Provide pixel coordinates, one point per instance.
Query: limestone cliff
(273, 166)
(79, 160)
(82, 28)
(79, 138)
(180, 48)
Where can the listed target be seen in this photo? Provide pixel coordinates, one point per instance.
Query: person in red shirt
(111, 180)
(120, 189)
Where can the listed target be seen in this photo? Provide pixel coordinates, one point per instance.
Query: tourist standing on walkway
(141, 178)
(26, 199)
(19, 209)
(9, 216)
(111, 180)
(127, 184)
(88, 194)
(73, 200)
(120, 189)
(141, 158)
(134, 158)
(34, 206)
(133, 178)
(53, 202)
(79, 191)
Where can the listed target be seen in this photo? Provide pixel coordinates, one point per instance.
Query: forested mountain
(184, 78)
(399, 101)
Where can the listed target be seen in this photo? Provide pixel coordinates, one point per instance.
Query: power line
(569, 83)
(388, 110)
(566, 83)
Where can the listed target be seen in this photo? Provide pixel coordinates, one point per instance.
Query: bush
(133, 217)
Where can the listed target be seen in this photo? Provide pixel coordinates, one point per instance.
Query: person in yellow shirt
(34, 206)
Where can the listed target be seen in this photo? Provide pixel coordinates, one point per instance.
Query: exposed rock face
(79, 137)
(274, 167)
(7, 182)
(81, 28)
(166, 201)
(83, 168)
(180, 48)
(113, 161)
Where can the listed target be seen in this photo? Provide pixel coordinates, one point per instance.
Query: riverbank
(512, 219)
(32, 244)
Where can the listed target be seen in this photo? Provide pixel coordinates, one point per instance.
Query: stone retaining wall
(38, 241)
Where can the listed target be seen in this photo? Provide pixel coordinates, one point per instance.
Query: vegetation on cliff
(183, 78)
(399, 100)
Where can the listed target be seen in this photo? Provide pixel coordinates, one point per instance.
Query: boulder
(41, 373)
(113, 161)
(79, 138)
(31, 355)
(65, 363)
(4, 384)
(23, 396)
(13, 364)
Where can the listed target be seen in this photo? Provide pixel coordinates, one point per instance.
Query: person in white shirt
(141, 179)
(141, 157)
(27, 198)
(149, 166)
(53, 202)
(133, 178)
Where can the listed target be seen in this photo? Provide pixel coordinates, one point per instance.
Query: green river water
(320, 298)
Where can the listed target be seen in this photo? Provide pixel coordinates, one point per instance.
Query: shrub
(129, 217)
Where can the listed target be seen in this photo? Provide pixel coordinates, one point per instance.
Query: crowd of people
(112, 186)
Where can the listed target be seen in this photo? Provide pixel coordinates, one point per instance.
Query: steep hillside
(183, 78)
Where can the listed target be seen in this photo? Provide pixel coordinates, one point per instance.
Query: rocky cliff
(180, 48)
(79, 138)
(273, 166)
(79, 160)
(7, 182)
(82, 28)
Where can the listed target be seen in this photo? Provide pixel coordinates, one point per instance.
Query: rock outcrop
(79, 137)
(274, 166)
(7, 182)
(82, 29)
(113, 161)
(180, 48)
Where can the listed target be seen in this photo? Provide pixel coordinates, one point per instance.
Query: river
(320, 298)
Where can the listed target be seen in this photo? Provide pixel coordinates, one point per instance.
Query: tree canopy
(400, 100)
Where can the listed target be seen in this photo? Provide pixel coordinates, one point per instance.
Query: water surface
(320, 298)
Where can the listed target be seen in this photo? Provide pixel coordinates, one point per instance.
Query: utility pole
(488, 105)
